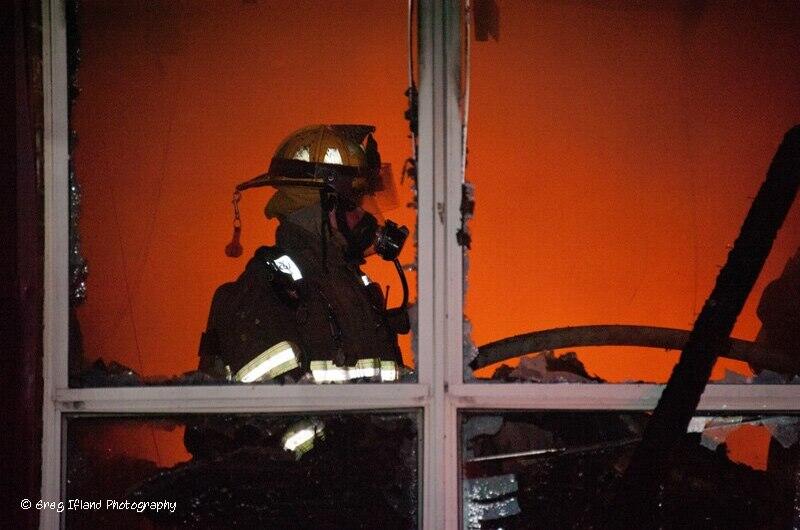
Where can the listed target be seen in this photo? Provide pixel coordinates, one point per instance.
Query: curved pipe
(624, 335)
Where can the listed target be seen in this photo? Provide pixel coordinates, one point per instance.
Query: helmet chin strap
(328, 200)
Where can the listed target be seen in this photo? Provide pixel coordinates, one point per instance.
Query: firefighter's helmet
(340, 159)
(320, 155)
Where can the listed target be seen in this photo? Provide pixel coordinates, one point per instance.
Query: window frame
(440, 392)
(506, 396)
(59, 400)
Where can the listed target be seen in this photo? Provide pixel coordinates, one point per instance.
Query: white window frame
(440, 391)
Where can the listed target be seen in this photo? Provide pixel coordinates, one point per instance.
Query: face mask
(358, 228)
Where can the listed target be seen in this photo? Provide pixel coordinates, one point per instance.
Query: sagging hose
(626, 335)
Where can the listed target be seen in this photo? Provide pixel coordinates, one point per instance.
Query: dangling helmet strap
(234, 248)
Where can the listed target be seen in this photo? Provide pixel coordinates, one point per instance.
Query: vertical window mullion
(444, 163)
(56, 336)
(428, 246)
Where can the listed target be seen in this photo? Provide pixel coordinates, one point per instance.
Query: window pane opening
(557, 469)
(619, 133)
(327, 470)
(176, 106)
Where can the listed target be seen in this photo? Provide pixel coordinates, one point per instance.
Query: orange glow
(615, 150)
(179, 102)
(749, 445)
(158, 441)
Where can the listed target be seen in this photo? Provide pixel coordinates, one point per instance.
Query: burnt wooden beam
(635, 501)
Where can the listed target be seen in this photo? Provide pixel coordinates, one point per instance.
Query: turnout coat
(330, 312)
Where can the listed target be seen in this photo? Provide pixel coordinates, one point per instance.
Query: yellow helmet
(320, 155)
(341, 158)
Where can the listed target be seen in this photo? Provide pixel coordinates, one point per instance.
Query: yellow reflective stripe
(389, 371)
(269, 364)
(328, 372)
(365, 368)
(299, 438)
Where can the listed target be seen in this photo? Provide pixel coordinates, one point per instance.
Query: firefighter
(779, 312)
(303, 308)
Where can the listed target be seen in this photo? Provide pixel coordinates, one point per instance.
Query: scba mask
(362, 232)
(359, 228)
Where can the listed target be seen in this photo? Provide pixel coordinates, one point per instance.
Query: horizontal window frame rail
(274, 398)
(242, 398)
(581, 396)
